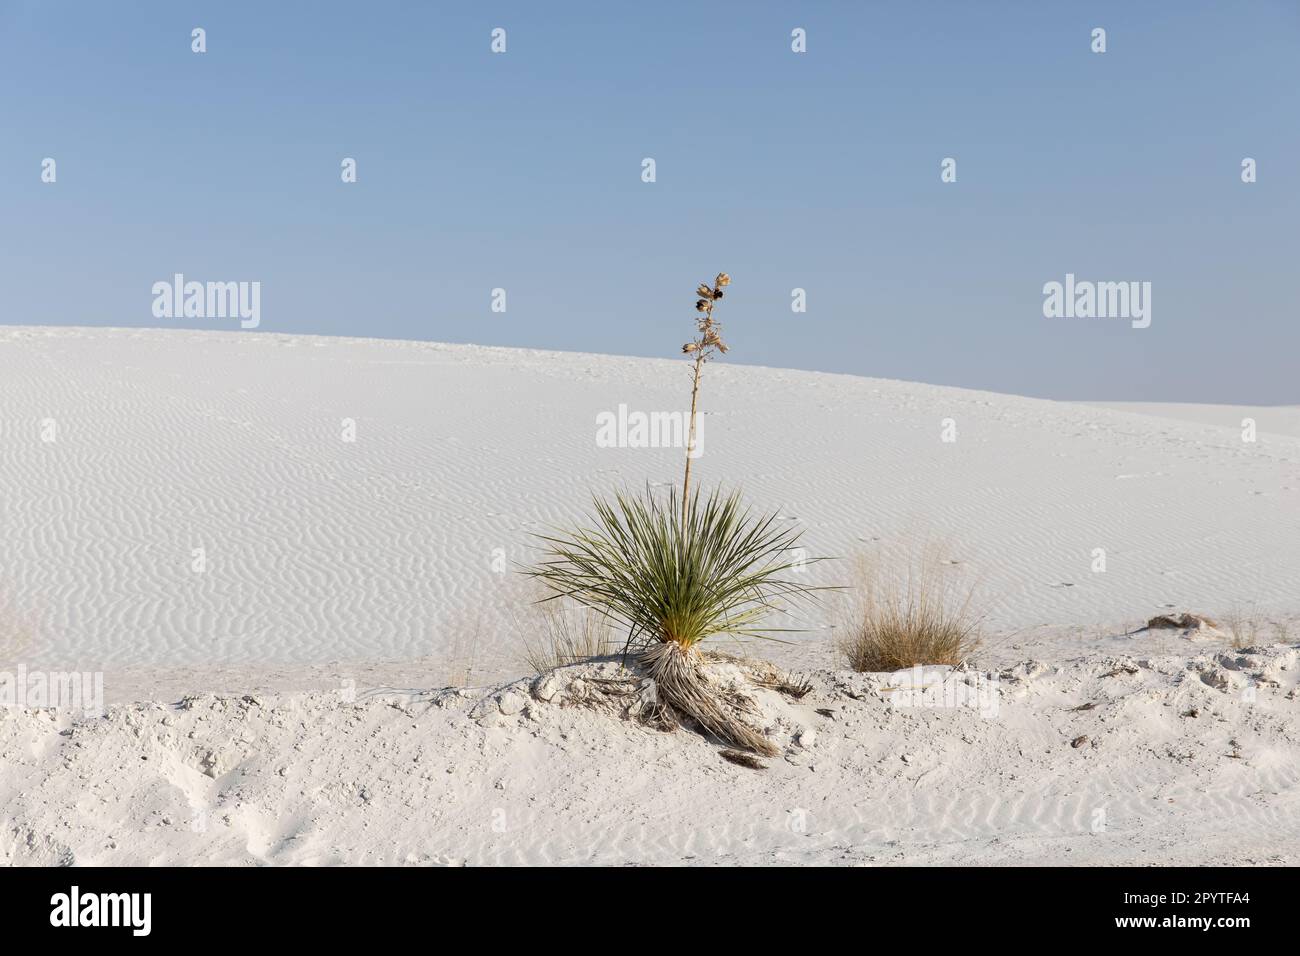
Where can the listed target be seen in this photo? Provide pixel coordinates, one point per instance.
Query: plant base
(681, 685)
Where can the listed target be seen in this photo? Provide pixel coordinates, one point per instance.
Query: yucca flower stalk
(673, 583)
(702, 348)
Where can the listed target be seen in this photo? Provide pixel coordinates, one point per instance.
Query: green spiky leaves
(718, 572)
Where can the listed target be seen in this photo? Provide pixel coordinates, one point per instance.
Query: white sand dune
(333, 571)
(318, 549)
(1276, 419)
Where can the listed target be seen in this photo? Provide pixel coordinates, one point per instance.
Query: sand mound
(1104, 759)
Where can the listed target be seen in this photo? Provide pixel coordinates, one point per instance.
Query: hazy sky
(816, 170)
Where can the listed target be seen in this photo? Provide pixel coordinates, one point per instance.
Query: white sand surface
(389, 547)
(1276, 419)
(1186, 759)
(272, 702)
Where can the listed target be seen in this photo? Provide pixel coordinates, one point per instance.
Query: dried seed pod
(704, 292)
(723, 280)
(701, 306)
(689, 347)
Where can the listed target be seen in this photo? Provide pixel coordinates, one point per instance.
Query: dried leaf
(743, 759)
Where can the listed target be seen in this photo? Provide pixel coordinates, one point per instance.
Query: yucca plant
(676, 576)
(672, 583)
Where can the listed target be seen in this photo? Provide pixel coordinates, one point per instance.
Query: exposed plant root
(681, 685)
(666, 685)
(764, 674)
(793, 687)
(632, 697)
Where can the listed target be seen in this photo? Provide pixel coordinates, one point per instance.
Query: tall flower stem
(702, 348)
(690, 439)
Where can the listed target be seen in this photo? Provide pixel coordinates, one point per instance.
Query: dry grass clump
(555, 633)
(1247, 629)
(1243, 628)
(908, 613)
(464, 643)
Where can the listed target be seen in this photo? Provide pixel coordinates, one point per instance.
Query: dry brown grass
(1244, 629)
(908, 612)
(1247, 629)
(463, 643)
(557, 632)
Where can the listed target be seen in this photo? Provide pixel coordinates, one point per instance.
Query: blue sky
(817, 171)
